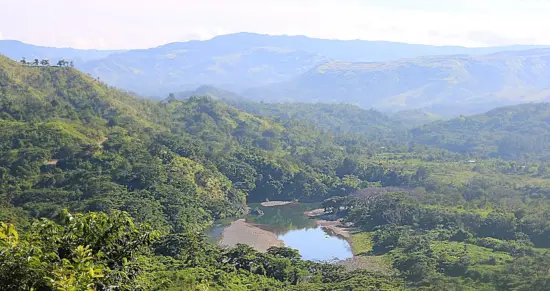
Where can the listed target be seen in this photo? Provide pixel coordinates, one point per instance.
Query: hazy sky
(120, 24)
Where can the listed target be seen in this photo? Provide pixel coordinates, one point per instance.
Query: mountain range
(17, 50)
(469, 84)
(446, 80)
(98, 181)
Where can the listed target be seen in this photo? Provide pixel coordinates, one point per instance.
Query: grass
(483, 258)
(361, 243)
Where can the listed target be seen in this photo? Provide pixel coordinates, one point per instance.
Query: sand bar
(241, 232)
(275, 203)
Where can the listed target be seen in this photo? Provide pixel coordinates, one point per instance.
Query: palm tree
(36, 62)
(24, 61)
(45, 62)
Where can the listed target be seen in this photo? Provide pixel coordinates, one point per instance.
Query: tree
(24, 61)
(71, 64)
(93, 251)
(36, 62)
(62, 63)
(171, 98)
(45, 62)
(421, 173)
(542, 170)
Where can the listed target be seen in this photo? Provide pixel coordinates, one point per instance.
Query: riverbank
(333, 225)
(276, 203)
(359, 242)
(243, 232)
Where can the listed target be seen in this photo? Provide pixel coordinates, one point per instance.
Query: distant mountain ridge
(235, 62)
(160, 71)
(470, 84)
(17, 50)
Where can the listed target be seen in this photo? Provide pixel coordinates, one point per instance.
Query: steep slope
(461, 82)
(514, 132)
(46, 93)
(69, 139)
(16, 50)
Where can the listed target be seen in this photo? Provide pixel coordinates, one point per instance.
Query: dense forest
(103, 190)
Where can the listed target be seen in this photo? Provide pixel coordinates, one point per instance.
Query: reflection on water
(297, 231)
(282, 219)
(317, 245)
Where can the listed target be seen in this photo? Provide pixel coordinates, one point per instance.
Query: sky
(127, 24)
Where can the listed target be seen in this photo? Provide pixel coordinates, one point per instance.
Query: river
(284, 225)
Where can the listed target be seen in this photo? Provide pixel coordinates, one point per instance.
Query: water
(317, 245)
(298, 231)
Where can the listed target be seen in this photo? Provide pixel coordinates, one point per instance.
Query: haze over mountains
(388, 76)
(16, 50)
(472, 83)
(451, 205)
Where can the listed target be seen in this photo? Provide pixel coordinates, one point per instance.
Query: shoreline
(276, 203)
(242, 232)
(358, 260)
(334, 226)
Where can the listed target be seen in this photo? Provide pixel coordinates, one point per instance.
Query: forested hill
(514, 132)
(337, 118)
(45, 93)
(68, 140)
(101, 190)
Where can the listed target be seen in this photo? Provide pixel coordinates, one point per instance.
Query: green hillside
(514, 132)
(65, 133)
(91, 147)
(70, 142)
(101, 190)
(336, 118)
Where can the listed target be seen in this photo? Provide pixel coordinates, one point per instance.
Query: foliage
(442, 221)
(81, 252)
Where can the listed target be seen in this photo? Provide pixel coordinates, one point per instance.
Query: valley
(205, 189)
